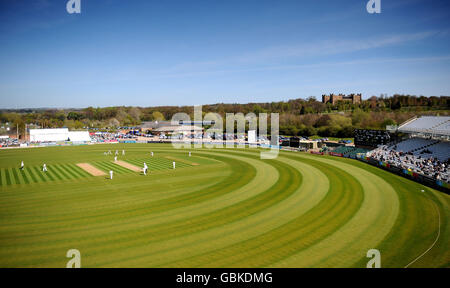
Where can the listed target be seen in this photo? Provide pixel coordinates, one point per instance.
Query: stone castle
(334, 99)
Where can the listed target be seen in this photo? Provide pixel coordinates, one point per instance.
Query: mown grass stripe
(105, 167)
(11, 175)
(33, 175)
(30, 175)
(16, 176)
(41, 175)
(168, 163)
(108, 166)
(136, 162)
(8, 177)
(101, 166)
(37, 173)
(112, 167)
(116, 168)
(70, 167)
(24, 177)
(158, 166)
(1, 177)
(79, 171)
(20, 176)
(69, 173)
(63, 172)
(140, 164)
(56, 173)
(114, 164)
(154, 164)
(120, 168)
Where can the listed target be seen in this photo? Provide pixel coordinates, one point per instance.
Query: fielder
(145, 168)
(22, 165)
(152, 153)
(115, 158)
(111, 174)
(189, 154)
(173, 163)
(123, 152)
(44, 168)
(117, 152)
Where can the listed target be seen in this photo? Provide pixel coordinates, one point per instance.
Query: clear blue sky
(155, 52)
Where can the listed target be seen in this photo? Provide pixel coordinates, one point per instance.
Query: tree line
(298, 117)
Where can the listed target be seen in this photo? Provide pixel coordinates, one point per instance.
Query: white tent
(429, 125)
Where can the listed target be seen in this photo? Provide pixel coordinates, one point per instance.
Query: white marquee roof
(435, 125)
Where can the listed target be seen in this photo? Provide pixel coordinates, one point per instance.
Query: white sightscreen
(251, 136)
(79, 136)
(49, 135)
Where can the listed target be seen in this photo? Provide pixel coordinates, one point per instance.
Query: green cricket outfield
(219, 208)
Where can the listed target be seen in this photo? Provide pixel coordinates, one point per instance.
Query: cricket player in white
(110, 174)
(123, 152)
(189, 154)
(173, 164)
(117, 152)
(22, 165)
(115, 158)
(152, 153)
(44, 168)
(145, 168)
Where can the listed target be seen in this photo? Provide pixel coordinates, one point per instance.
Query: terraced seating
(352, 154)
(344, 149)
(439, 150)
(425, 148)
(413, 145)
(433, 164)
